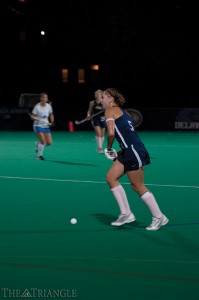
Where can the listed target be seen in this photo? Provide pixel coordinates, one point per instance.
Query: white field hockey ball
(73, 221)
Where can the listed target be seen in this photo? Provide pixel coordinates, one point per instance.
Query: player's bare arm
(110, 121)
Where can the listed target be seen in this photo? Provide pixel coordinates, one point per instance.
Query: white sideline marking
(95, 182)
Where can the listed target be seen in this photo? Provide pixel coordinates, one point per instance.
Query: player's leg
(102, 134)
(114, 173)
(48, 138)
(41, 145)
(136, 178)
(98, 139)
(36, 146)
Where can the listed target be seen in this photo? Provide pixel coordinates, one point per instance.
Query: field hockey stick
(45, 122)
(88, 119)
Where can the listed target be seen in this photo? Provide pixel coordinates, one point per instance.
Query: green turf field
(42, 255)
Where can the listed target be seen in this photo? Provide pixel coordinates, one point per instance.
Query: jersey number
(131, 126)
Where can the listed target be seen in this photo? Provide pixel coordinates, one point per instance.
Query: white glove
(110, 154)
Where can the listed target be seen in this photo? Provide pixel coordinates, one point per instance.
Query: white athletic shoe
(124, 219)
(157, 223)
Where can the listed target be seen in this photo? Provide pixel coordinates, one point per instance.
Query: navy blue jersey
(135, 155)
(96, 109)
(98, 120)
(125, 131)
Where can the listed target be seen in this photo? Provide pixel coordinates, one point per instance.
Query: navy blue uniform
(134, 154)
(98, 120)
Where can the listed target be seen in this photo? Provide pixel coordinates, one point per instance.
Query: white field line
(93, 182)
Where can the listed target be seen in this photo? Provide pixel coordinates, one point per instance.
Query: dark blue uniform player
(135, 155)
(98, 121)
(130, 160)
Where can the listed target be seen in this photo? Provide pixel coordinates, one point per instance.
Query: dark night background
(149, 51)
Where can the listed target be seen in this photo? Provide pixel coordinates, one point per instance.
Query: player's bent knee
(110, 180)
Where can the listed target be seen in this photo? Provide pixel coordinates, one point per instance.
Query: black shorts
(134, 159)
(99, 122)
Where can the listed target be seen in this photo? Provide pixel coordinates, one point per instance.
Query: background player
(98, 122)
(43, 110)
